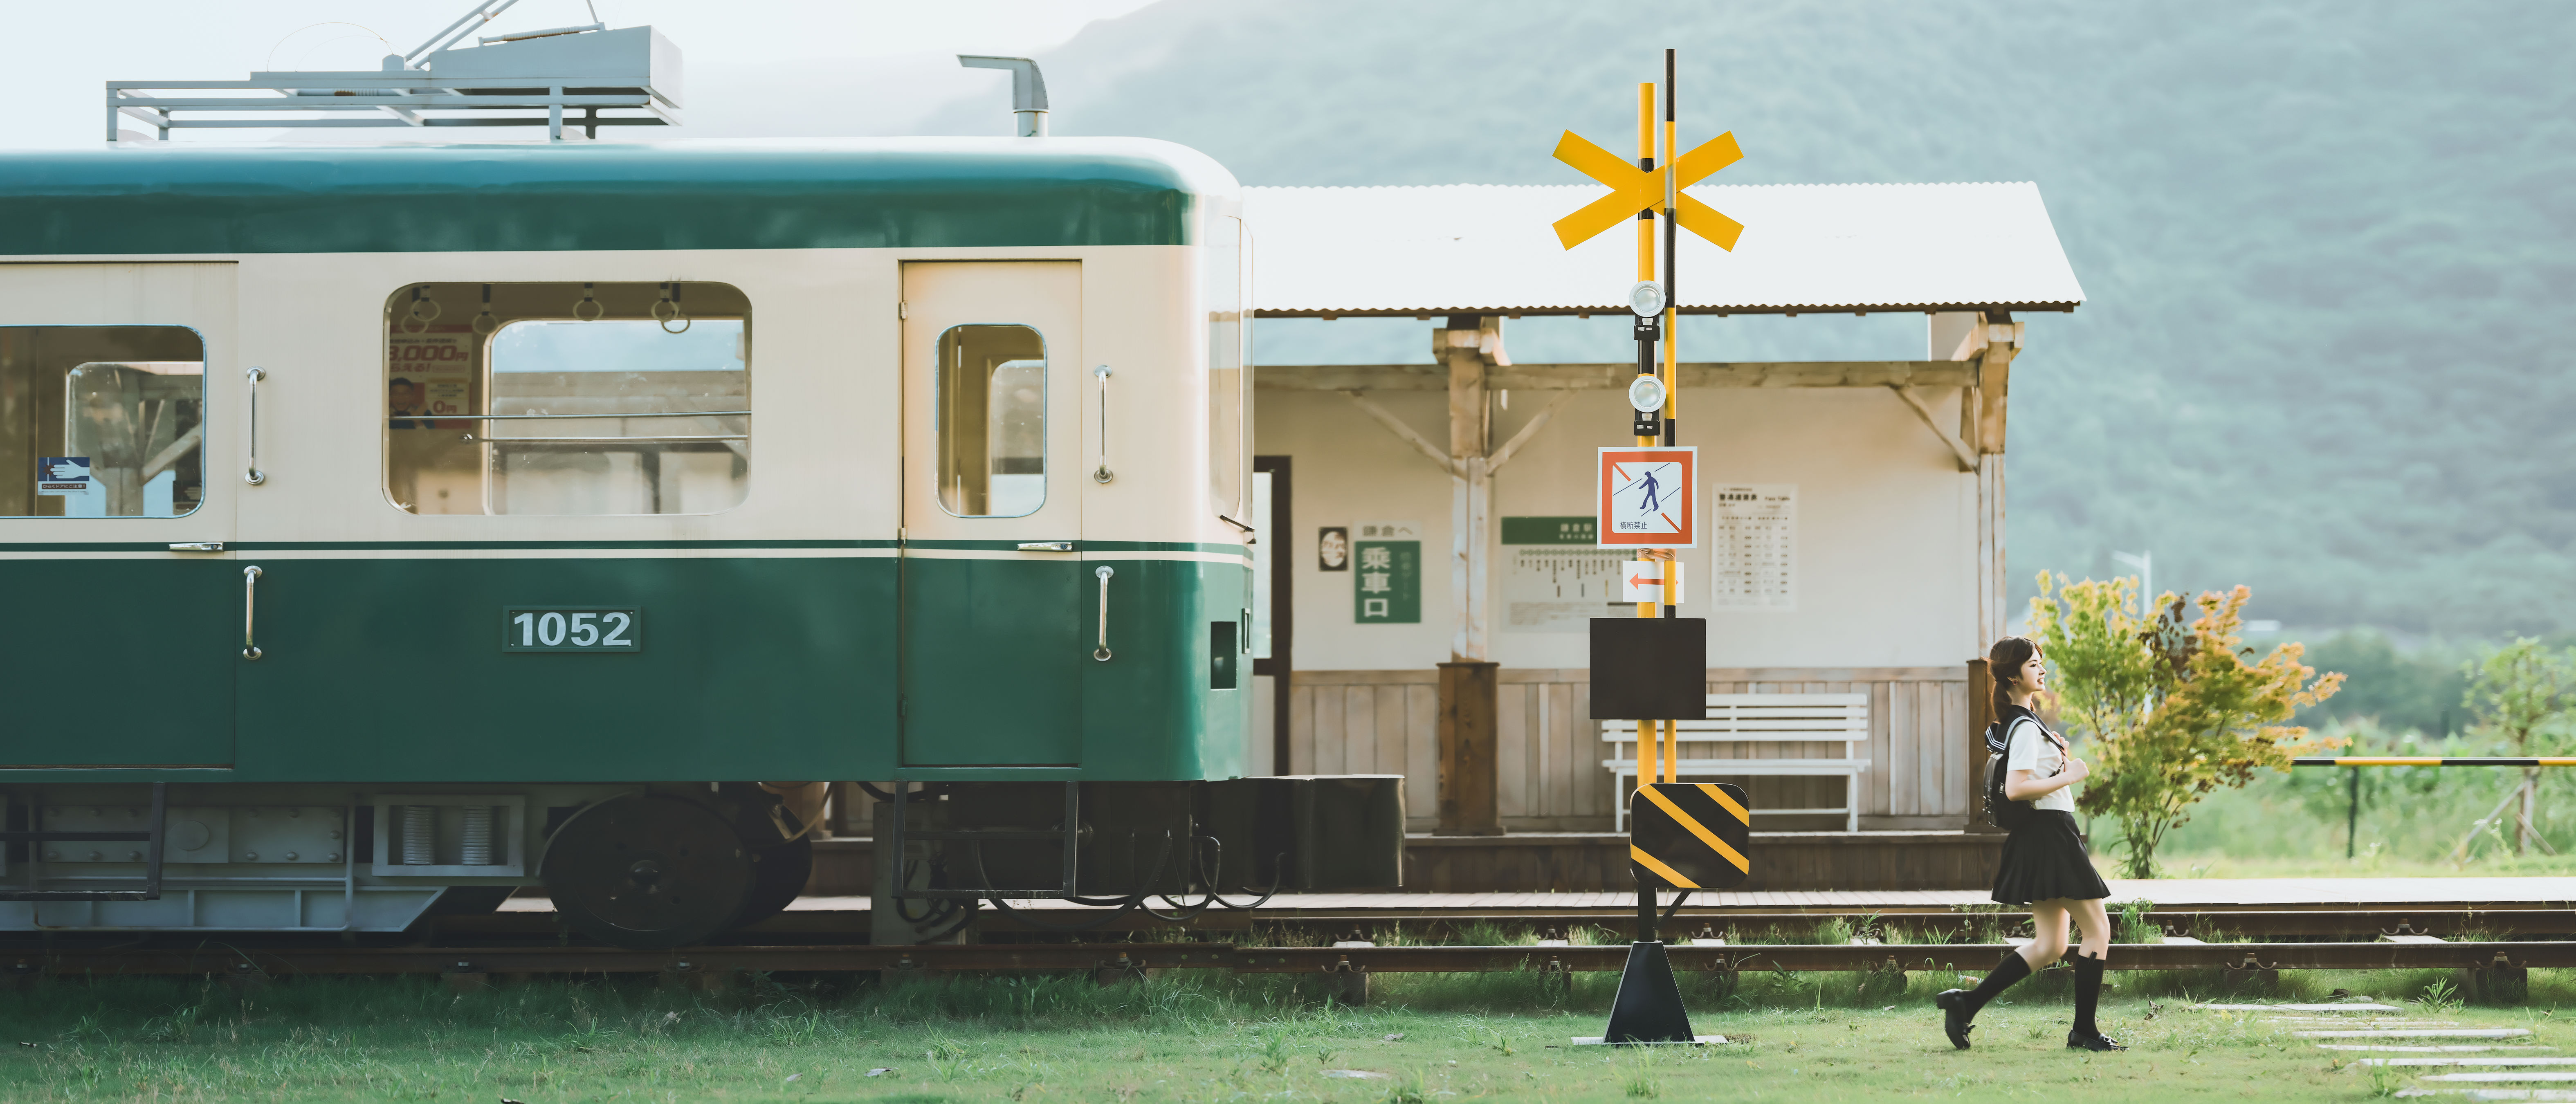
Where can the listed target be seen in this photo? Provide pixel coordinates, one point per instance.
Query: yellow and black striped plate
(1689, 835)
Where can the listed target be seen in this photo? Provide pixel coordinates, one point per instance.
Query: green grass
(2190, 864)
(1498, 1036)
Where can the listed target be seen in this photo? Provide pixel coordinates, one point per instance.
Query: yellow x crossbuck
(1633, 189)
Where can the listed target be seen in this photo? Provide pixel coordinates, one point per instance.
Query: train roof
(775, 194)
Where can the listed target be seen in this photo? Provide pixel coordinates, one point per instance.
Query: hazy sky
(882, 64)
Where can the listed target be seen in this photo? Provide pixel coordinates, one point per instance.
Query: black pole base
(1648, 1008)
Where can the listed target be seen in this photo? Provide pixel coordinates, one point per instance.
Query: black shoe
(2094, 1041)
(1955, 1016)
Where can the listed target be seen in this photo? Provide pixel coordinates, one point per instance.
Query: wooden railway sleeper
(1346, 982)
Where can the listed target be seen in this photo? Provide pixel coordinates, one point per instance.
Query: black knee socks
(2013, 968)
(2088, 992)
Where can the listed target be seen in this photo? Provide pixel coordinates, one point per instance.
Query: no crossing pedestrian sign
(1647, 498)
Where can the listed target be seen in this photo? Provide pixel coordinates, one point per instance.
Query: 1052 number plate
(572, 629)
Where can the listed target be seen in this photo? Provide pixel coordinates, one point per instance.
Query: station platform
(1578, 862)
(2177, 894)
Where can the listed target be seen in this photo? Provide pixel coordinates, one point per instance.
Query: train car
(391, 528)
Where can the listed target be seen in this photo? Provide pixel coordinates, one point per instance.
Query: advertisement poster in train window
(431, 373)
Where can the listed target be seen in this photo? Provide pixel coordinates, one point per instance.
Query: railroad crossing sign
(1633, 189)
(1689, 835)
(1647, 498)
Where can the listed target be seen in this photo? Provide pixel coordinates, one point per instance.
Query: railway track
(1911, 923)
(325, 959)
(1374, 936)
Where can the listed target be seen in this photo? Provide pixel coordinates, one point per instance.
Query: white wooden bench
(1759, 718)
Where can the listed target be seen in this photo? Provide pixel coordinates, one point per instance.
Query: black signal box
(1649, 668)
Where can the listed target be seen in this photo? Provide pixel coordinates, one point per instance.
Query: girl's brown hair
(2004, 662)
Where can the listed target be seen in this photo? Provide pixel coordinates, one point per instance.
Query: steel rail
(1972, 957)
(2264, 923)
(2443, 919)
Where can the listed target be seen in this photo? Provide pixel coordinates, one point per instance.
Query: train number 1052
(572, 629)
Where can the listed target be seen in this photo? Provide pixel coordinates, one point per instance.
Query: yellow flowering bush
(2173, 706)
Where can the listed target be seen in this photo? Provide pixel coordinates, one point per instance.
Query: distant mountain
(2326, 245)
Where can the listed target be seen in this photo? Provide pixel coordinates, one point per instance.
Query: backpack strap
(1999, 736)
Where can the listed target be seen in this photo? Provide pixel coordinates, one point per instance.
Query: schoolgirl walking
(2044, 864)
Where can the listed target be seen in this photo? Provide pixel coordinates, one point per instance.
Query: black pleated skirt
(2044, 860)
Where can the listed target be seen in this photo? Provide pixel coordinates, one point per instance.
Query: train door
(993, 580)
(124, 612)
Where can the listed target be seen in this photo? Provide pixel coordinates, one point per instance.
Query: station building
(1435, 512)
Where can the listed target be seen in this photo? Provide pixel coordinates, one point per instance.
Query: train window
(568, 398)
(102, 421)
(992, 421)
(1229, 377)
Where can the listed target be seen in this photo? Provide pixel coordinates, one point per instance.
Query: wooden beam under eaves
(1612, 377)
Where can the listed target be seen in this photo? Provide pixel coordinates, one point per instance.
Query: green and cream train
(389, 528)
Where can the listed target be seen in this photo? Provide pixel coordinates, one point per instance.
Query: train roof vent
(584, 77)
(1028, 89)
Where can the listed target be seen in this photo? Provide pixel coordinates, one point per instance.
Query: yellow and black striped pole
(1652, 765)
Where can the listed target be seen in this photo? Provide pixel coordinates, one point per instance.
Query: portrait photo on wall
(1333, 548)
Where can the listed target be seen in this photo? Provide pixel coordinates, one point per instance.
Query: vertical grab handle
(252, 475)
(1103, 474)
(1104, 571)
(250, 612)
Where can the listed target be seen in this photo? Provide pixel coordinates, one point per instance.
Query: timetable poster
(1558, 579)
(1753, 531)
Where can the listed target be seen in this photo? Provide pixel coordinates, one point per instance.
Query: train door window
(992, 390)
(102, 421)
(568, 398)
(1229, 368)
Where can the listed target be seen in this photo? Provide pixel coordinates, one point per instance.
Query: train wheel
(647, 872)
(778, 875)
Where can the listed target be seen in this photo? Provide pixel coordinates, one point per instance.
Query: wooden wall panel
(1362, 722)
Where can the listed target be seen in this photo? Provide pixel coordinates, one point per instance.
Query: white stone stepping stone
(2464, 1061)
(2493, 1094)
(2421, 1033)
(2393, 1021)
(2427, 1049)
(2298, 1008)
(2513, 1077)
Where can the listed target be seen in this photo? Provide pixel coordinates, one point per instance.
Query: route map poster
(1558, 578)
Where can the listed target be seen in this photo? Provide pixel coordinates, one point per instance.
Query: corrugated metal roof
(1806, 247)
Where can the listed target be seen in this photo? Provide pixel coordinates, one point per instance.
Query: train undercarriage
(668, 864)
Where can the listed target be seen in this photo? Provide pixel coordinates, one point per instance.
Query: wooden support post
(1470, 796)
(1470, 345)
(1470, 800)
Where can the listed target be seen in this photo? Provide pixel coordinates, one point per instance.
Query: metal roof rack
(529, 78)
